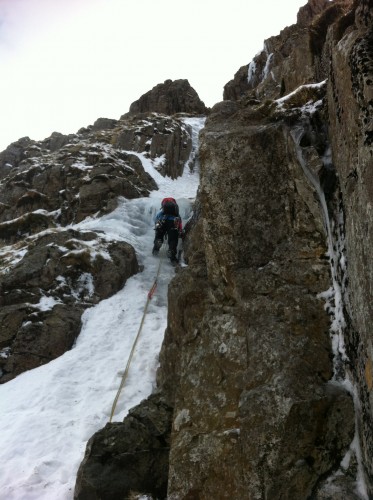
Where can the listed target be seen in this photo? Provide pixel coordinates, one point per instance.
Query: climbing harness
(150, 295)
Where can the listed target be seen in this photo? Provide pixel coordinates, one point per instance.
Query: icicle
(251, 71)
(339, 322)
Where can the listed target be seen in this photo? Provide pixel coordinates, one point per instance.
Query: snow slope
(48, 414)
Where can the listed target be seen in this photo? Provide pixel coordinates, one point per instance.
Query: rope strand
(124, 376)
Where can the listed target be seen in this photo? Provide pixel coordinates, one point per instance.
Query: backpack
(170, 207)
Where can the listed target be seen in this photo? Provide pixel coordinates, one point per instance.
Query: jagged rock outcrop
(297, 56)
(308, 12)
(49, 275)
(67, 178)
(258, 391)
(162, 137)
(170, 97)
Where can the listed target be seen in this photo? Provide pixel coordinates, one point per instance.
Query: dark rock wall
(350, 99)
(252, 400)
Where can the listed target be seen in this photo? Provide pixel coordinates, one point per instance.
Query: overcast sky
(65, 63)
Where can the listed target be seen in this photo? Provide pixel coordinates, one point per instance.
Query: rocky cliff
(51, 270)
(265, 378)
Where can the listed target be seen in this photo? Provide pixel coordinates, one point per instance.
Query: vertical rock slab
(247, 354)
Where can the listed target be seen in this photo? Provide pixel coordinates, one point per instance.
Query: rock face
(49, 274)
(67, 178)
(162, 137)
(350, 100)
(169, 98)
(252, 403)
(254, 249)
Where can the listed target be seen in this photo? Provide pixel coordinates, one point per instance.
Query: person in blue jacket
(168, 222)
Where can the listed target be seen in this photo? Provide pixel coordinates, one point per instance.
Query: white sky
(65, 63)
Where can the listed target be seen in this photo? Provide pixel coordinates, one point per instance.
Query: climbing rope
(150, 295)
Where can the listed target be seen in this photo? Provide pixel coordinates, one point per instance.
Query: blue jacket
(161, 216)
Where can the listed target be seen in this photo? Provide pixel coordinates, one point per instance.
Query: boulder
(104, 124)
(128, 457)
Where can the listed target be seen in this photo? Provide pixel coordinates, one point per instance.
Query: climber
(168, 222)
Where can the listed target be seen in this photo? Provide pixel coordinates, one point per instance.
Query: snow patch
(181, 418)
(280, 102)
(85, 286)
(46, 303)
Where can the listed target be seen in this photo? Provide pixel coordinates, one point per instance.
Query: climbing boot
(172, 255)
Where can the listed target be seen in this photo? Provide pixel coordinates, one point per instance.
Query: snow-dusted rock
(163, 137)
(57, 276)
